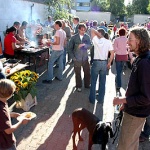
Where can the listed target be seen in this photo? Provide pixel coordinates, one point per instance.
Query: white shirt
(101, 48)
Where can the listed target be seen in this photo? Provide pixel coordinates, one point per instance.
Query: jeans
(55, 55)
(64, 57)
(119, 68)
(98, 68)
(146, 131)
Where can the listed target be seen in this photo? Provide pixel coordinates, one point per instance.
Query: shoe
(87, 87)
(79, 89)
(47, 81)
(58, 79)
(118, 88)
(142, 139)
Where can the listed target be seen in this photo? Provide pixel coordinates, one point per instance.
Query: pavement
(52, 128)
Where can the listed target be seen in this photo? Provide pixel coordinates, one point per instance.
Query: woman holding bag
(120, 48)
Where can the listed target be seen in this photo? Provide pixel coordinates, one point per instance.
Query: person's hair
(95, 23)
(16, 23)
(11, 29)
(49, 17)
(7, 88)
(142, 35)
(106, 36)
(24, 23)
(82, 25)
(122, 31)
(102, 31)
(76, 18)
(59, 23)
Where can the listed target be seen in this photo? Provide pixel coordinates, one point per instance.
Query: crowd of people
(76, 42)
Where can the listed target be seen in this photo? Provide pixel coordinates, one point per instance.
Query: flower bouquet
(25, 94)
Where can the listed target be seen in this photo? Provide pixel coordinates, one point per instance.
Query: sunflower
(25, 83)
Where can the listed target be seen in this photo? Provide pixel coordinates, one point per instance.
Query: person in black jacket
(136, 103)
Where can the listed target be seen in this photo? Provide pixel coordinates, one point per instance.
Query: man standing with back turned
(136, 103)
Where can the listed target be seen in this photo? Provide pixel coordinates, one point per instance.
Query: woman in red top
(10, 43)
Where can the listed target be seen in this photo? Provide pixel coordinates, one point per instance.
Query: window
(83, 4)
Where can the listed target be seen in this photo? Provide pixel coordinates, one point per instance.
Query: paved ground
(52, 128)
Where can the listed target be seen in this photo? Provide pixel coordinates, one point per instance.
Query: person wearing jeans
(57, 53)
(120, 48)
(100, 64)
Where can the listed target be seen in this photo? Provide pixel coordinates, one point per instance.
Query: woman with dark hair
(10, 43)
(120, 48)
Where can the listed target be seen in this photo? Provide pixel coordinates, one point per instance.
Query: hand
(25, 120)
(108, 65)
(81, 45)
(118, 101)
(121, 107)
(14, 114)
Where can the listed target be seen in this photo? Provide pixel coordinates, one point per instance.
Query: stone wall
(140, 18)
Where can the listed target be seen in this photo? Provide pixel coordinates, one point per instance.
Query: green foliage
(140, 7)
(102, 5)
(55, 8)
(116, 7)
(61, 14)
(129, 10)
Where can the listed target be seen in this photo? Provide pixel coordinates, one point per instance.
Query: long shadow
(63, 129)
(48, 97)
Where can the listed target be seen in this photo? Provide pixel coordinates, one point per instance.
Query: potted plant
(25, 94)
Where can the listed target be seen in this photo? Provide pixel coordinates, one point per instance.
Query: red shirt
(9, 39)
(6, 140)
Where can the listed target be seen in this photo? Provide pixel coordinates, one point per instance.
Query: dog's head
(102, 132)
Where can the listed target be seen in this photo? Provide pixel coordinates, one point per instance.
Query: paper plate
(26, 115)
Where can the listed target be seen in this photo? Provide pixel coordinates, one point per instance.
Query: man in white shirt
(100, 64)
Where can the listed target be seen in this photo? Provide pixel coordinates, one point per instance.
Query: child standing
(7, 139)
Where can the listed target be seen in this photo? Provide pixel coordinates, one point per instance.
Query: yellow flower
(24, 85)
(25, 82)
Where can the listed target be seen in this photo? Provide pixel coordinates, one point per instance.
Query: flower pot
(26, 103)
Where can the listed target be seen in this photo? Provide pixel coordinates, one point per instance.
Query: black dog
(98, 131)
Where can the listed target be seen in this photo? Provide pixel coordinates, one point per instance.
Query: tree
(56, 8)
(140, 6)
(98, 5)
(129, 10)
(116, 7)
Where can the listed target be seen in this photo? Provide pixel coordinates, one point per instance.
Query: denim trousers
(119, 68)
(86, 69)
(146, 130)
(55, 55)
(99, 68)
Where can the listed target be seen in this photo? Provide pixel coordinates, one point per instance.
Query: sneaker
(47, 81)
(118, 88)
(79, 89)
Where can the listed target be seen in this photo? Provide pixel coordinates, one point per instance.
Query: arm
(95, 33)
(110, 59)
(71, 48)
(15, 126)
(14, 114)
